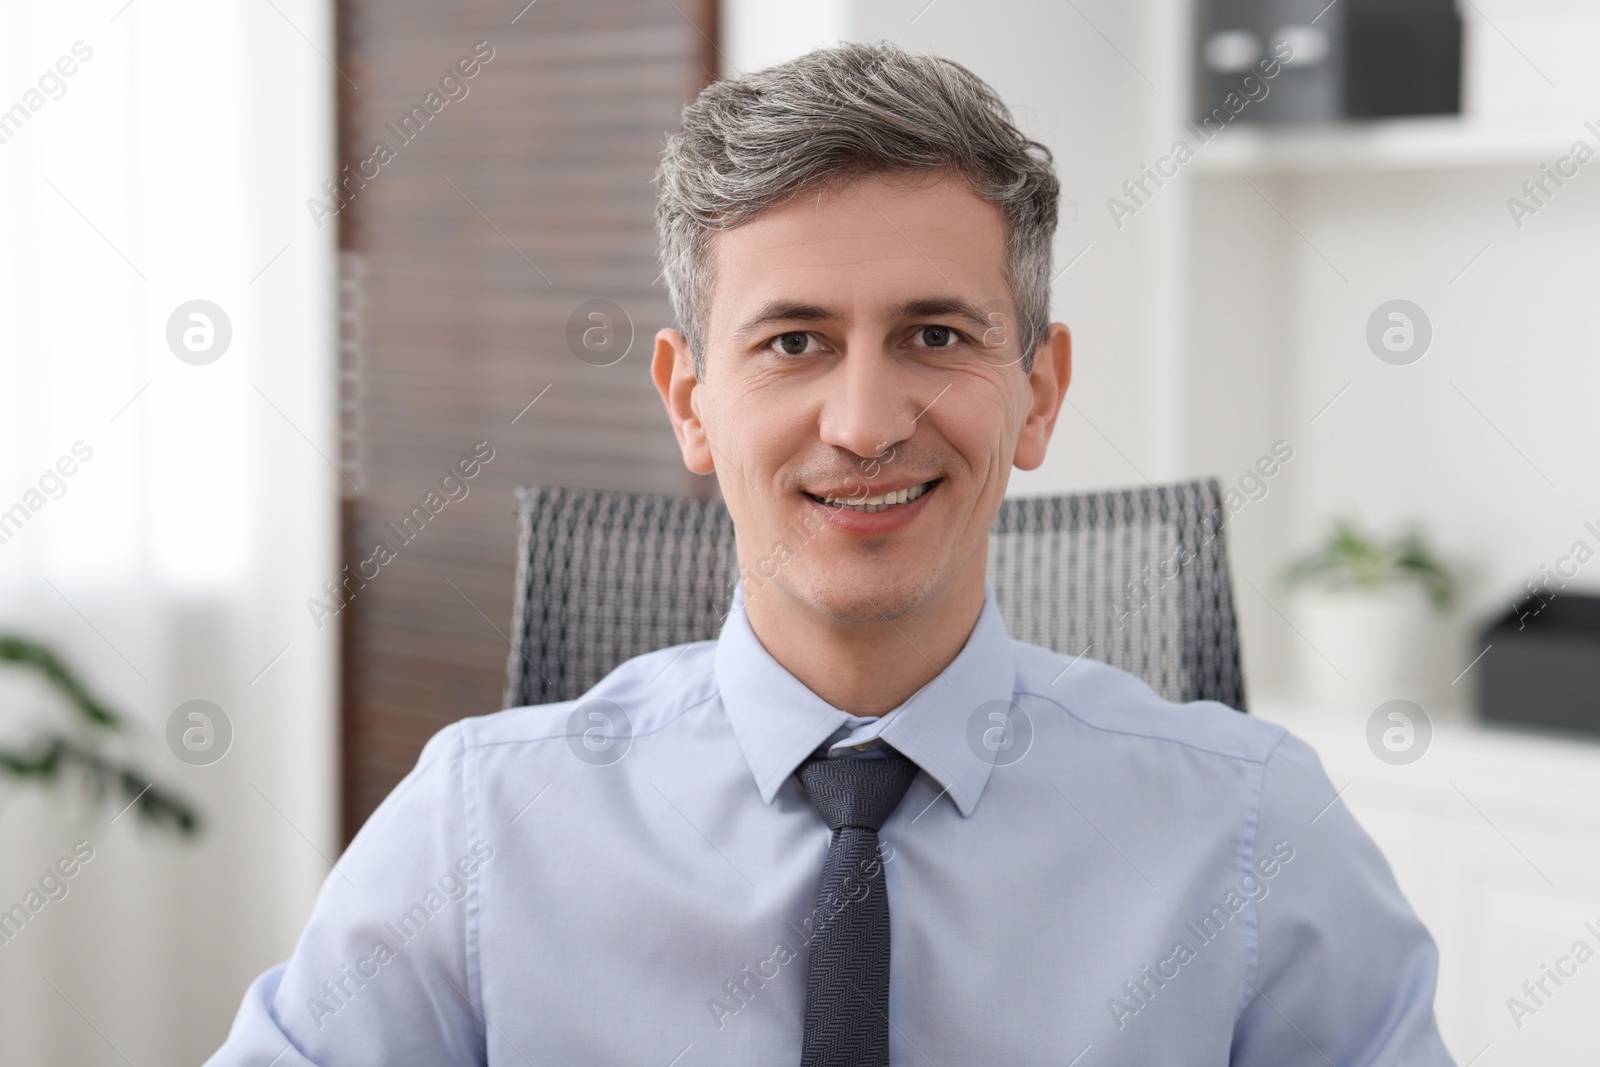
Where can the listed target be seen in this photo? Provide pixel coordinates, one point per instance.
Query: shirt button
(863, 746)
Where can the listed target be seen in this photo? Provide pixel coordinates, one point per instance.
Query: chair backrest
(1137, 578)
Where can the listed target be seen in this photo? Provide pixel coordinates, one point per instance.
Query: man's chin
(844, 599)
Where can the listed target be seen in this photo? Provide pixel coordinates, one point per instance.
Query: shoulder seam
(1253, 964)
(1158, 737)
(688, 706)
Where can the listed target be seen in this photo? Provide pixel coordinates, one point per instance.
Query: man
(801, 857)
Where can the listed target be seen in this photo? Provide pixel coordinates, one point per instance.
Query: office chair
(1137, 578)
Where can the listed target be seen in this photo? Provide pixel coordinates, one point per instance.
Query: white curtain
(163, 519)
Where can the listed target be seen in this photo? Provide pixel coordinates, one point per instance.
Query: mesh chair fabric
(1137, 578)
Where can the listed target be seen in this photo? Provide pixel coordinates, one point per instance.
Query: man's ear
(672, 369)
(1047, 387)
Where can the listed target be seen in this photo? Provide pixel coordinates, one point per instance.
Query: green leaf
(25, 653)
(54, 753)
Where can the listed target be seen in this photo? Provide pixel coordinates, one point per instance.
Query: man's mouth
(879, 502)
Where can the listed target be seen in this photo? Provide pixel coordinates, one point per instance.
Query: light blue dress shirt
(1094, 876)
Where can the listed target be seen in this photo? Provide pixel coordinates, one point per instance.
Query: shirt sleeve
(1344, 972)
(385, 971)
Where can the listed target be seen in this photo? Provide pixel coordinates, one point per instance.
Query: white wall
(758, 33)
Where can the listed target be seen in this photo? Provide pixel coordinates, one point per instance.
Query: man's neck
(866, 668)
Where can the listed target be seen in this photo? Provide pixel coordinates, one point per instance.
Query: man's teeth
(882, 502)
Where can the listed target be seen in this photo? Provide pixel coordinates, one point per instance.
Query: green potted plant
(90, 748)
(1369, 607)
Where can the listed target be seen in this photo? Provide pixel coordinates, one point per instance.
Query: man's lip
(859, 490)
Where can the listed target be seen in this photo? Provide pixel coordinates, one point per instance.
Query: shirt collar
(779, 721)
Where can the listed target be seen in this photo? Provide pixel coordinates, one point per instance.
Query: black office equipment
(1273, 61)
(1403, 57)
(1543, 664)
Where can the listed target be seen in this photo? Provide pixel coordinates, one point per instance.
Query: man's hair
(833, 115)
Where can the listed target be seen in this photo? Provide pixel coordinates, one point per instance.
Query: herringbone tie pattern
(847, 981)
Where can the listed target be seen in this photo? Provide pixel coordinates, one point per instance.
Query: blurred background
(270, 270)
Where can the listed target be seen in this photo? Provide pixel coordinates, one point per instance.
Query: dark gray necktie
(847, 981)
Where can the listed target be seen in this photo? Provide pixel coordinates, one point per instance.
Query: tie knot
(856, 791)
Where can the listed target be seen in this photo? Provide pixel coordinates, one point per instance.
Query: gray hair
(750, 142)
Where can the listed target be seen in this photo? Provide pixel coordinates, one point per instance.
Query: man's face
(861, 342)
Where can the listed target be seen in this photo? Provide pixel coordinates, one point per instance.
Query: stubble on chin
(843, 599)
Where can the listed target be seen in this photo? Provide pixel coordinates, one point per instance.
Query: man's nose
(869, 405)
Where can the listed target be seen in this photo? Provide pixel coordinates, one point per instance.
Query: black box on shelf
(1543, 665)
(1312, 61)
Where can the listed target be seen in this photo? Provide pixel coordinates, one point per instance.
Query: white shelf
(1381, 146)
(1522, 767)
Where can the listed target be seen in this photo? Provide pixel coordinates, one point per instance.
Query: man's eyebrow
(941, 305)
(927, 307)
(784, 311)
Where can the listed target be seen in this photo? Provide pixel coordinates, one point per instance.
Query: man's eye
(792, 344)
(937, 336)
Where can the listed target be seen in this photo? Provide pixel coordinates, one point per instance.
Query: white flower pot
(1362, 647)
